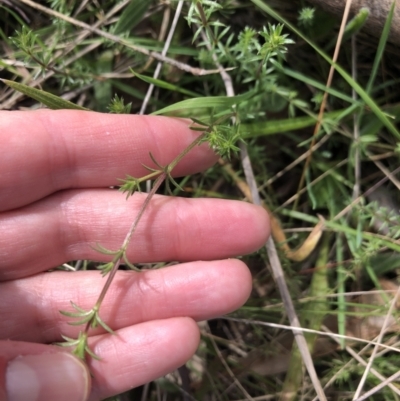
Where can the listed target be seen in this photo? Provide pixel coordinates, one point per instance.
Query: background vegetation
(342, 165)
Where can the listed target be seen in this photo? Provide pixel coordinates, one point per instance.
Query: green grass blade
(312, 82)
(131, 16)
(164, 85)
(361, 92)
(103, 89)
(51, 101)
(341, 288)
(272, 127)
(205, 103)
(381, 48)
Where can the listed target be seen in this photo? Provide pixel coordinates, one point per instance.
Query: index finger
(45, 151)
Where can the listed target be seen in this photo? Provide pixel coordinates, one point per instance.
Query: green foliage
(80, 346)
(92, 317)
(131, 16)
(306, 16)
(118, 106)
(62, 6)
(32, 47)
(201, 13)
(279, 89)
(221, 138)
(276, 43)
(130, 185)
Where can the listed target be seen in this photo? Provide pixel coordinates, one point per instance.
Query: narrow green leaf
(164, 85)
(80, 322)
(129, 264)
(51, 101)
(105, 251)
(309, 81)
(90, 353)
(70, 314)
(131, 16)
(206, 102)
(381, 48)
(103, 89)
(69, 341)
(104, 325)
(341, 290)
(272, 127)
(79, 309)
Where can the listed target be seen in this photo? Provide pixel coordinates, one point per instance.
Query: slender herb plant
(97, 53)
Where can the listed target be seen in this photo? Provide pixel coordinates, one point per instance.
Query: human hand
(55, 205)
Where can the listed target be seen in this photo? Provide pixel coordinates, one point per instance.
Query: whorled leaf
(129, 264)
(105, 268)
(130, 185)
(105, 251)
(80, 345)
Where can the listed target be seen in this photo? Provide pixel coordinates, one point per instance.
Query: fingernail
(58, 376)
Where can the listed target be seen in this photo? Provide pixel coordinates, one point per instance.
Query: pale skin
(55, 205)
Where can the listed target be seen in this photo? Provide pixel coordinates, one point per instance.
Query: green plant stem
(160, 179)
(125, 244)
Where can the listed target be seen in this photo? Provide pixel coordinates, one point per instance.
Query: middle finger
(68, 225)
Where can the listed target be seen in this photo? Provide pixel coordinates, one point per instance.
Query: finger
(134, 356)
(200, 290)
(140, 354)
(45, 151)
(36, 372)
(68, 226)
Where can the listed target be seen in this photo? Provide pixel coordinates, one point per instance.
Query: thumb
(34, 372)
